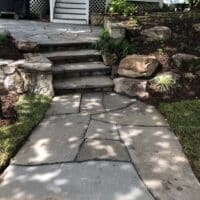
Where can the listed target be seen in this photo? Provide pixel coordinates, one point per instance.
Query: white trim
(52, 6)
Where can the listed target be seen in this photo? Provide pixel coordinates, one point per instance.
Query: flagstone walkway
(100, 146)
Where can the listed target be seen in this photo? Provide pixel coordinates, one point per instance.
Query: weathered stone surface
(34, 63)
(138, 66)
(74, 181)
(103, 149)
(196, 27)
(32, 75)
(157, 33)
(182, 60)
(91, 103)
(172, 77)
(56, 139)
(131, 87)
(158, 156)
(14, 82)
(113, 101)
(102, 130)
(115, 29)
(65, 104)
(26, 45)
(136, 114)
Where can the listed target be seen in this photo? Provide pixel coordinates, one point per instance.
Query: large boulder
(138, 66)
(157, 33)
(31, 75)
(186, 61)
(131, 87)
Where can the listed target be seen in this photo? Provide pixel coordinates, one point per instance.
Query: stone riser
(75, 59)
(63, 47)
(59, 92)
(63, 76)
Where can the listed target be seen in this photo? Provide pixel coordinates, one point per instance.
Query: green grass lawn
(184, 118)
(31, 110)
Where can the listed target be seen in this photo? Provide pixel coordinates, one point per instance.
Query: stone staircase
(71, 11)
(77, 67)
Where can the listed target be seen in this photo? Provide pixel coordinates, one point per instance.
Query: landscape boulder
(138, 66)
(31, 75)
(131, 87)
(186, 61)
(157, 33)
(115, 28)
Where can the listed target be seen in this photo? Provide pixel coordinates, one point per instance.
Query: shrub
(105, 44)
(108, 45)
(165, 83)
(121, 7)
(3, 38)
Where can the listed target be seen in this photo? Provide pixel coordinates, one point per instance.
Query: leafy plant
(3, 38)
(105, 44)
(121, 7)
(108, 45)
(165, 82)
(123, 48)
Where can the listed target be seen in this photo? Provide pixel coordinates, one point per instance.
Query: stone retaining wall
(32, 75)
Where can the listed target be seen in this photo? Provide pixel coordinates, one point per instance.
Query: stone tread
(84, 83)
(71, 54)
(80, 67)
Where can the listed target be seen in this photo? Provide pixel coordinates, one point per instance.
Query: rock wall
(32, 75)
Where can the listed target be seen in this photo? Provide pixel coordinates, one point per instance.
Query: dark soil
(9, 51)
(9, 113)
(184, 40)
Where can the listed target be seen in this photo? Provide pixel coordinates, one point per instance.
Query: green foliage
(121, 7)
(123, 48)
(30, 110)
(184, 119)
(108, 45)
(3, 38)
(105, 44)
(165, 83)
(194, 3)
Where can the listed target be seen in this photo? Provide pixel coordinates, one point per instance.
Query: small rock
(131, 87)
(14, 82)
(157, 33)
(187, 61)
(138, 66)
(196, 27)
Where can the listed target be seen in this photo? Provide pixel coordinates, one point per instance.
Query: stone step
(95, 83)
(65, 46)
(74, 55)
(62, 71)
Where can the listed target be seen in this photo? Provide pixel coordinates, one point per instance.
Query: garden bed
(30, 110)
(184, 40)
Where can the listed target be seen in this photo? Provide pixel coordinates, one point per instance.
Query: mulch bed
(8, 102)
(184, 40)
(9, 51)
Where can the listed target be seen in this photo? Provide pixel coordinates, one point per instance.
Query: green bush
(108, 45)
(121, 7)
(165, 83)
(3, 38)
